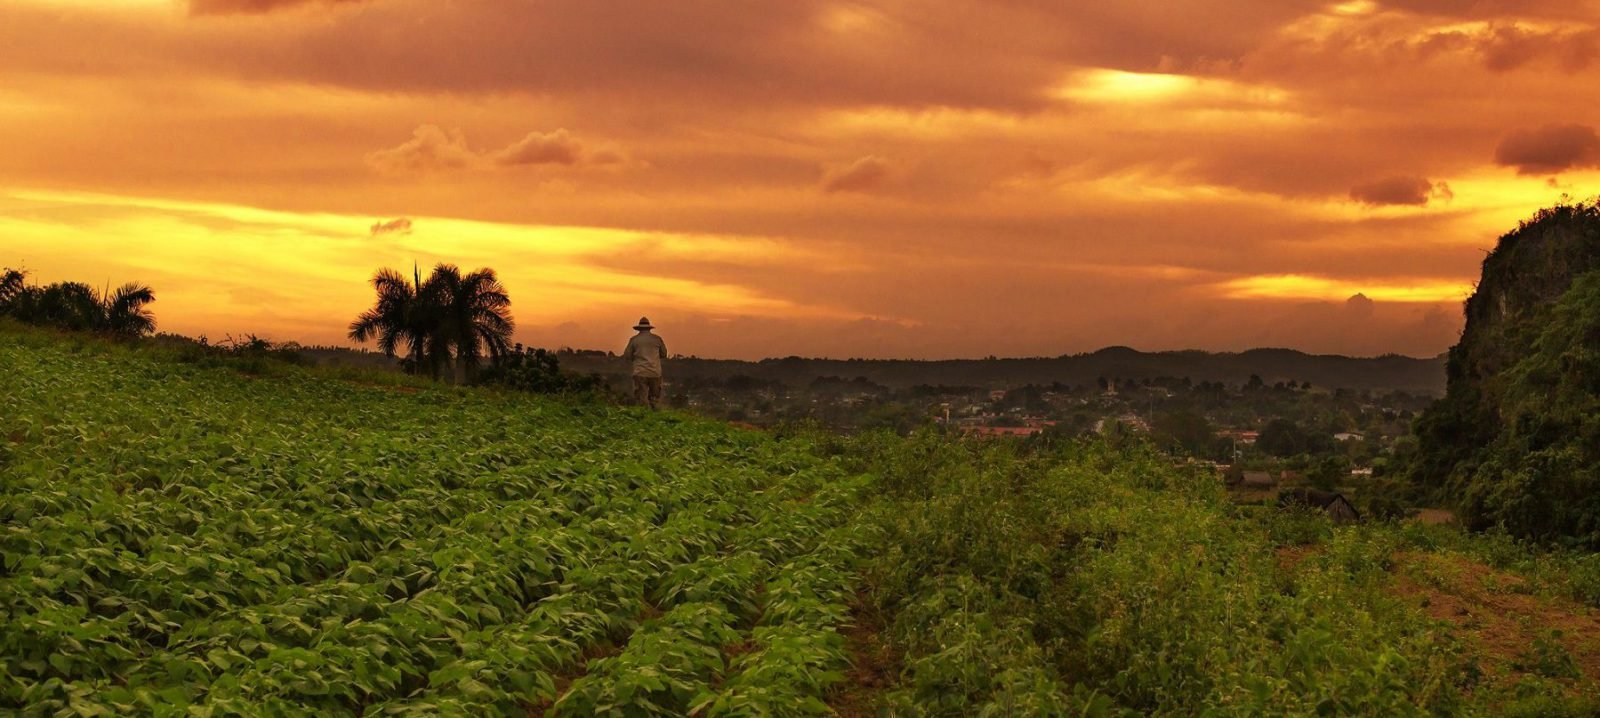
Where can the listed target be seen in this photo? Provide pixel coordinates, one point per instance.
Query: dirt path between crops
(1499, 613)
(873, 664)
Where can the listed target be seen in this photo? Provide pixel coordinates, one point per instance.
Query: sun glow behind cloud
(930, 123)
(1354, 7)
(1108, 86)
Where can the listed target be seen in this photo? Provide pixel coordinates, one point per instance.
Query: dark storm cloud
(1549, 149)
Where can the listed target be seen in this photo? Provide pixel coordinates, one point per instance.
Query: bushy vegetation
(180, 537)
(76, 306)
(1516, 441)
(1099, 580)
(537, 371)
(1540, 475)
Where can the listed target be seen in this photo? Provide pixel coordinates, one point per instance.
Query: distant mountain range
(1389, 372)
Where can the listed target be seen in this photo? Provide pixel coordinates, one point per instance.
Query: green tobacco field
(177, 535)
(188, 535)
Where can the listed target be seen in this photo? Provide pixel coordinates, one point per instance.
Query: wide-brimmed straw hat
(644, 323)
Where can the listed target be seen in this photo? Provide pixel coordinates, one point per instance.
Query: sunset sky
(878, 179)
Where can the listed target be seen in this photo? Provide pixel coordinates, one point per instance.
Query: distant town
(1214, 409)
(1262, 433)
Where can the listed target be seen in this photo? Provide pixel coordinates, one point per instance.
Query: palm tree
(474, 316)
(402, 315)
(124, 312)
(447, 315)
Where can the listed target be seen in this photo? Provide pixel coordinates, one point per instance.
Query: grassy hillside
(182, 534)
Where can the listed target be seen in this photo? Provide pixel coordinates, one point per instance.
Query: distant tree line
(77, 306)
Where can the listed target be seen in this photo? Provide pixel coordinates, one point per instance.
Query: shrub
(537, 371)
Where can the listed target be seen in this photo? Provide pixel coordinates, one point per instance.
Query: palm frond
(125, 310)
(366, 325)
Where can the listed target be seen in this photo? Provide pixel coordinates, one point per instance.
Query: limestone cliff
(1516, 440)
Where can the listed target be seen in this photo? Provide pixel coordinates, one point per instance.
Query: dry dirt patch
(1498, 613)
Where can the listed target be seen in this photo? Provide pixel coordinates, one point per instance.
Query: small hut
(1335, 505)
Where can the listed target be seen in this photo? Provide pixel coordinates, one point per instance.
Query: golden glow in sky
(819, 177)
(1294, 286)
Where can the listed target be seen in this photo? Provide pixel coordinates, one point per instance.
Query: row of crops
(178, 538)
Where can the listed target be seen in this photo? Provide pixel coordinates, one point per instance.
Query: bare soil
(873, 664)
(1435, 516)
(1498, 613)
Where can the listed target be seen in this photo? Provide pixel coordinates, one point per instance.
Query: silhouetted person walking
(645, 351)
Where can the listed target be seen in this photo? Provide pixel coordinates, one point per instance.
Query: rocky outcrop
(1505, 444)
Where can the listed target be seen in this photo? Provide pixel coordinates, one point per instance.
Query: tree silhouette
(447, 315)
(76, 306)
(69, 305)
(126, 312)
(474, 316)
(400, 316)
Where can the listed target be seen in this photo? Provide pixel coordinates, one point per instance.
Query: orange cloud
(1549, 149)
(862, 175)
(1401, 190)
(1063, 175)
(253, 7)
(431, 148)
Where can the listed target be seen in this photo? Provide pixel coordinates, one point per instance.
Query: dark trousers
(647, 389)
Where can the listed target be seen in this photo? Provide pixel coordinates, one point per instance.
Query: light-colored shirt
(646, 351)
